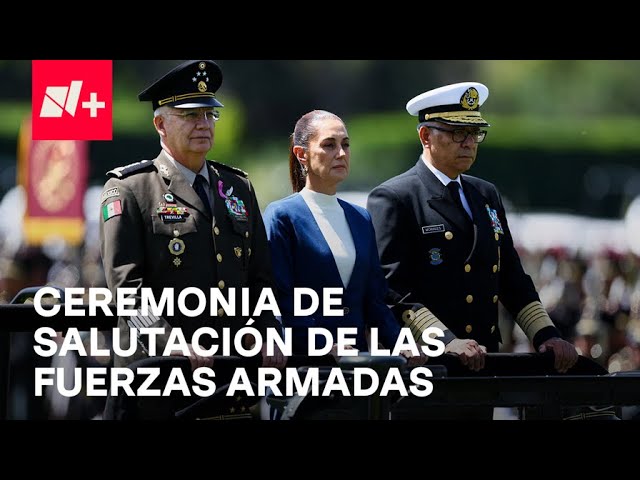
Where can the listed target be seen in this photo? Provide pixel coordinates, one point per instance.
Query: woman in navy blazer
(318, 240)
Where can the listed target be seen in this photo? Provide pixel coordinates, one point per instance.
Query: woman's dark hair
(304, 130)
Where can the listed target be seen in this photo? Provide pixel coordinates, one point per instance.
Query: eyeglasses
(194, 116)
(460, 135)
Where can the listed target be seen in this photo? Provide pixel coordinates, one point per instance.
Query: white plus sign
(93, 104)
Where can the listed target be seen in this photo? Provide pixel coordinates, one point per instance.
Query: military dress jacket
(155, 232)
(433, 255)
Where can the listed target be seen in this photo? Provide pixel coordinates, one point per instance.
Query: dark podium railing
(509, 380)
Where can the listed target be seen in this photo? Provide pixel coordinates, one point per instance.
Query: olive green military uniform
(156, 232)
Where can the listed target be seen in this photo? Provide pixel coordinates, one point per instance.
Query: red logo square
(72, 99)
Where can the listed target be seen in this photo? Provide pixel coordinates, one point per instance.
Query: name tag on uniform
(432, 229)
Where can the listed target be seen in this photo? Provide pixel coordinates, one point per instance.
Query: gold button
(467, 268)
(408, 316)
(346, 310)
(468, 328)
(219, 257)
(495, 299)
(216, 230)
(495, 268)
(493, 328)
(176, 233)
(448, 235)
(221, 312)
(497, 237)
(221, 284)
(469, 298)
(246, 234)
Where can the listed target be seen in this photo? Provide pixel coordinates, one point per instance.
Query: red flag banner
(53, 174)
(71, 99)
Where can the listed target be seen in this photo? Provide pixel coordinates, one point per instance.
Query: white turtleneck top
(332, 221)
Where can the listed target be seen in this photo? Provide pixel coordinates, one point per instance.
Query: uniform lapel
(478, 204)
(178, 185)
(219, 208)
(440, 200)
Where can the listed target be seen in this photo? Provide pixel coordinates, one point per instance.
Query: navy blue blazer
(301, 257)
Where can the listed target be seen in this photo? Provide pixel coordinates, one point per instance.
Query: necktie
(199, 185)
(453, 188)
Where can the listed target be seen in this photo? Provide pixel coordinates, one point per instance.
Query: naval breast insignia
(435, 256)
(495, 221)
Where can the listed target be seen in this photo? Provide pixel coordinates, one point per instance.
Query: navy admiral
(180, 220)
(444, 241)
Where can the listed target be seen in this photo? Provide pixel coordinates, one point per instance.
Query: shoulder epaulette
(127, 170)
(235, 170)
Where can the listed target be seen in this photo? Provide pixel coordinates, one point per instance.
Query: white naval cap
(456, 104)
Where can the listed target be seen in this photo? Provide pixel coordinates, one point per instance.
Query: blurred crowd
(593, 299)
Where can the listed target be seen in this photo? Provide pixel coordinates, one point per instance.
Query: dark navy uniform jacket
(433, 256)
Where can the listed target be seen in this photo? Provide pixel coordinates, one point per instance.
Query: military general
(180, 220)
(444, 240)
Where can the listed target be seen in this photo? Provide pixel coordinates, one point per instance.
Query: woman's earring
(304, 169)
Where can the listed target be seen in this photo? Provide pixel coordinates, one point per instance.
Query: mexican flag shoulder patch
(112, 209)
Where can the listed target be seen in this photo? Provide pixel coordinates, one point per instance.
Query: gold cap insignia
(470, 99)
